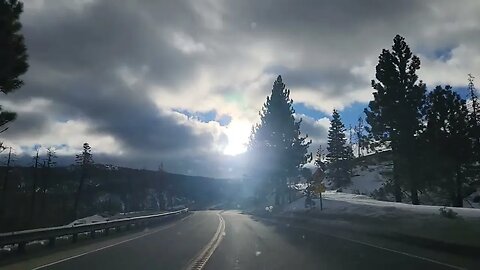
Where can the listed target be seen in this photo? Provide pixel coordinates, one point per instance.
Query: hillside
(108, 190)
(371, 175)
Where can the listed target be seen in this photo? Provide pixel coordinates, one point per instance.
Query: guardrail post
(51, 242)
(74, 237)
(21, 247)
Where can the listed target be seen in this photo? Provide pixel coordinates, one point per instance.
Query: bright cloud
(119, 75)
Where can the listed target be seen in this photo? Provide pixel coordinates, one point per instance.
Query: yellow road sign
(320, 188)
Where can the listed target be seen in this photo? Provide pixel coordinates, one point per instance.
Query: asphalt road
(232, 240)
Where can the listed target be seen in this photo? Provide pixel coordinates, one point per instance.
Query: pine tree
(474, 116)
(340, 154)
(34, 186)
(395, 115)
(13, 53)
(48, 163)
(5, 185)
(306, 173)
(474, 99)
(321, 164)
(320, 159)
(360, 137)
(84, 161)
(449, 144)
(276, 147)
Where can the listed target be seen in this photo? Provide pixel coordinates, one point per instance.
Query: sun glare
(237, 133)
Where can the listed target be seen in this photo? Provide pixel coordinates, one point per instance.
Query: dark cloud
(26, 124)
(75, 56)
(330, 81)
(122, 68)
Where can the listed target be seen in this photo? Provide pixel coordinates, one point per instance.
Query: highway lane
(250, 244)
(166, 247)
(244, 243)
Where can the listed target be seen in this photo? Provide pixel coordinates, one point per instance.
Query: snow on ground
(367, 179)
(98, 218)
(361, 214)
(88, 220)
(472, 200)
(421, 209)
(346, 203)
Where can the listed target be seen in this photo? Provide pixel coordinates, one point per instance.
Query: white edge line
(382, 248)
(108, 246)
(403, 253)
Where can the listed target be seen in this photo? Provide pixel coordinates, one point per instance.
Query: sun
(237, 134)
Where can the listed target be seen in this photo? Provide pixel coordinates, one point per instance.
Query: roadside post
(319, 189)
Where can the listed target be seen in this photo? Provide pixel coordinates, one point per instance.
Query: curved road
(232, 240)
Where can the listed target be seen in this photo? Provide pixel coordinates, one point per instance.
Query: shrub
(448, 213)
(476, 199)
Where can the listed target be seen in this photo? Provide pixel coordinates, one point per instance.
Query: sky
(181, 82)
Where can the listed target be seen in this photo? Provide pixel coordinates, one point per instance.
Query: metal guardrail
(23, 237)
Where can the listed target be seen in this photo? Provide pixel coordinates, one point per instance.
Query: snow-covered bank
(366, 179)
(346, 203)
(370, 177)
(362, 213)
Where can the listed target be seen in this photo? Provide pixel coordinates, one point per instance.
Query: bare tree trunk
(413, 184)
(78, 195)
(414, 194)
(5, 185)
(458, 200)
(34, 192)
(277, 197)
(397, 192)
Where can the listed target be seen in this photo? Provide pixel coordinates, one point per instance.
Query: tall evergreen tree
(320, 159)
(13, 53)
(6, 182)
(474, 116)
(84, 161)
(48, 164)
(448, 140)
(360, 137)
(34, 186)
(340, 154)
(277, 149)
(394, 115)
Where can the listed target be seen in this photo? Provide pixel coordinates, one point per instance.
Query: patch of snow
(38, 242)
(7, 248)
(367, 179)
(469, 202)
(88, 220)
(299, 186)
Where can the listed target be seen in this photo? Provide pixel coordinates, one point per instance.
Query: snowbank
(346, 203)
(413, 224)
(88, 220)
(367, 179)
(391, 206)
